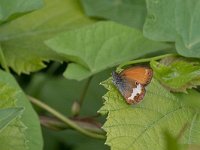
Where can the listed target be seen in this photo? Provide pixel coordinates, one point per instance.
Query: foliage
(15, 8)
(54, 41)
(92, 58)
(130, 127)
(26, 35)
(129, 12)
(27, 131)
(175, 21)
(177, 73)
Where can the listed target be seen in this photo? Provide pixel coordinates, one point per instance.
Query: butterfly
(131, 83)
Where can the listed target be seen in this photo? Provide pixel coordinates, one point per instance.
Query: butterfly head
(118, 82)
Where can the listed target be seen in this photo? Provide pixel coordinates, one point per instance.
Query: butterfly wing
(142, 75)
(132, 92)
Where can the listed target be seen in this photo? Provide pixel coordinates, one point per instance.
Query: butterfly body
(131, 83)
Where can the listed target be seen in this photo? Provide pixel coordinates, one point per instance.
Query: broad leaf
(187, 26)
(189, 99)
(128, 12)
(8, 115)
(177, 21)
(12, 9)
(160, 22)
(24, 132)
(177, 73)
(15, 128)
(141, 126)
(22, 39)
(99, 46)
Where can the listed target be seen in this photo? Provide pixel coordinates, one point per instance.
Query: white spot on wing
(136, 91)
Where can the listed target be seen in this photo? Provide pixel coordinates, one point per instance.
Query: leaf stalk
(65, 119)
(144, 60)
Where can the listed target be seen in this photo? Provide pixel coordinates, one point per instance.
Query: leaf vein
(151, 125)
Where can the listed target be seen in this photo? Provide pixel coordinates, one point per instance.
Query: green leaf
(160, 22)
(141, 126)
(22, 40)
(177, 21)
(189, 99)
(8, 115)
(15, 128)
(187, 26)
(99, 46)
(177, 73)
(76, 71)
(12, 9)
(128, 12)
(24, 132)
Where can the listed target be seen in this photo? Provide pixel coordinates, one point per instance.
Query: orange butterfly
(131, 83)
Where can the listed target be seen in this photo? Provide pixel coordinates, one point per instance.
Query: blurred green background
(58, 92)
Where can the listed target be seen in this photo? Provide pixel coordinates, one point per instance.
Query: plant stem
(144, 60)
(3, 61)
(55, 124)
(65, 119)
(84, 92)
(53, 67)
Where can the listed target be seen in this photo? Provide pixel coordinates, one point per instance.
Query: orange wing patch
(141, 75)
